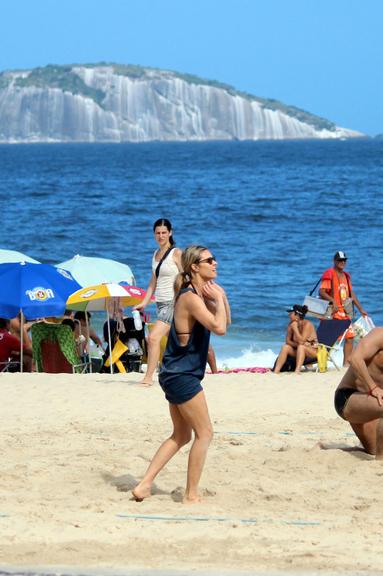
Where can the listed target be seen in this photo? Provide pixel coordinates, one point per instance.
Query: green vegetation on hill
(129, 70)
(61, 77)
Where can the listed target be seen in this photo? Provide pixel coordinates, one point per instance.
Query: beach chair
(128, 348)
(331, 334)
(54, 349)
(10, 366)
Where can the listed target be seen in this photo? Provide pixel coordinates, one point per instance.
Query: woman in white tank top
(162, 285)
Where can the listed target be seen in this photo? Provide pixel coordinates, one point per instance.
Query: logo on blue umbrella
(40, 294)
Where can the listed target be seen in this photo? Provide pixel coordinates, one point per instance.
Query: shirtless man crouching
(359, 396)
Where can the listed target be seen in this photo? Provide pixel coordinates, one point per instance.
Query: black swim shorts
(341, 398)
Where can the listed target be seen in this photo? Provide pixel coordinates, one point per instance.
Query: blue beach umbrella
(37, 290)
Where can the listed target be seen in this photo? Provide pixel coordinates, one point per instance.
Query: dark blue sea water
(273, 213)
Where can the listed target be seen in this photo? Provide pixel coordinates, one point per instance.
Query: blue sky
(325, 56)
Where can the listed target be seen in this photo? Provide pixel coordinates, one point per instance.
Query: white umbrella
(89, 271)
(8, 256)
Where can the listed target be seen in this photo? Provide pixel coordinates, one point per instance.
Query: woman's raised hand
(212, 291)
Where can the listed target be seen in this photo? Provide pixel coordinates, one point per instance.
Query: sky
(325, 56)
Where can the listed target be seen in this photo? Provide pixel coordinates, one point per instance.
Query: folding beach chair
(10, 366)
(128, 348)
(54, 349)
(331, 334)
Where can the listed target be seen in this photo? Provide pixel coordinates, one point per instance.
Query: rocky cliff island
(124, 103)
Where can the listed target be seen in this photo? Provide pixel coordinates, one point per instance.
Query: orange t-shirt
(338, 287)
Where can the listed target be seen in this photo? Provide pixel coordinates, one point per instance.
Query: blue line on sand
(211, 519)
(281, 433)
(239, 433)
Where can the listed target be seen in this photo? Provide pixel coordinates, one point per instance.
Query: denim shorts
(165, 311)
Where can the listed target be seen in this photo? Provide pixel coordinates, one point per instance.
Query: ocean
(273, 213)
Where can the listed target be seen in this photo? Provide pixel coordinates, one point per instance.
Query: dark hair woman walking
(201, 307)
(166, 264)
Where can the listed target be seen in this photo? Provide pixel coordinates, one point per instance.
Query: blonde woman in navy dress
(162, 285)
(201, 307)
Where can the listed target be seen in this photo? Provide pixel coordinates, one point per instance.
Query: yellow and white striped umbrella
(101, 297)
(97, 298)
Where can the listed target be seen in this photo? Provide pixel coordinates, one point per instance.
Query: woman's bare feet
(141, 491)
(188, 499)
(146, 383)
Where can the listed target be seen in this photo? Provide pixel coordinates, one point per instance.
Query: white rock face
(159, 105)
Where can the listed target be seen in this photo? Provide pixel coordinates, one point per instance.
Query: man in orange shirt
(336, 287)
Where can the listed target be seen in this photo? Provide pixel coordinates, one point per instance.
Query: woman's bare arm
(177, 258)
(298, 335)
(366, 349)
(289, 337)
(195, 307)
(211, 305)
(149, 293)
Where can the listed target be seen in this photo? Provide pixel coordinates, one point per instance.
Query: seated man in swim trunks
(359, 396)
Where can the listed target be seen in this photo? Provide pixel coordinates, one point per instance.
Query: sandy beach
(73, 447)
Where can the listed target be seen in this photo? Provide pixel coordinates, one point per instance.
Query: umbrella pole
(21, 340)
(87, 341)
(110, 343)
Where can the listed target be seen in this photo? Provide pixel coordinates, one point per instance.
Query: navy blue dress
(183, 367)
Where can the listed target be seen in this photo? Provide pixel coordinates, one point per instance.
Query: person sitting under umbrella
(10, 347)
(86, 330)
(15, 329)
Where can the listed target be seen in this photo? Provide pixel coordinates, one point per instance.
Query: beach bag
(348, 306)
(322, 357)
(363, 326)
(316, 306)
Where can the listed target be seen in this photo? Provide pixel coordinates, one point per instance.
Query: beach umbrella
(90, 271)
(35, 290)
(14, 256)
(100, 297)
(135, 294)
(96, 298)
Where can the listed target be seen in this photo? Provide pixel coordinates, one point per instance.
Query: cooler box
(316, 306)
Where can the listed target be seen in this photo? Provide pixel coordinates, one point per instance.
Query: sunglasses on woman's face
(209, 260)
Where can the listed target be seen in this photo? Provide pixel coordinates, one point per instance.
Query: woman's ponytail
(182, 280)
